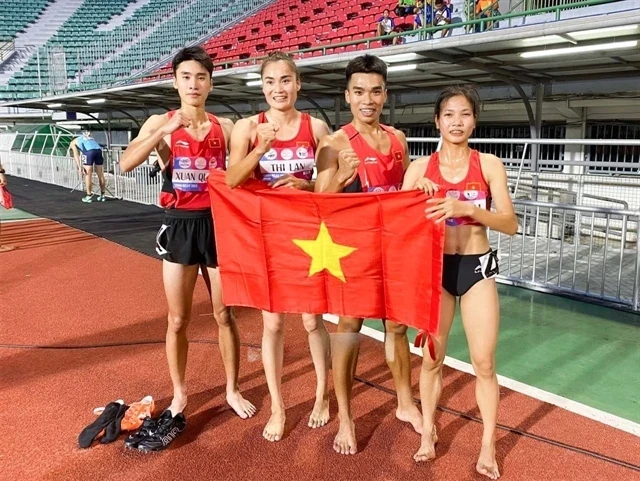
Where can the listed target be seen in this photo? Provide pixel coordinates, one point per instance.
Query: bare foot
(487, 464)
(178, 405)
(427, 449)
(240, 405)
(412, 416)
(6, 248)
(274, 429)
(320, 414)
(345, 441)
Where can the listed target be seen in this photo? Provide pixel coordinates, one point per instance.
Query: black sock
(113, 429)
(90, 432)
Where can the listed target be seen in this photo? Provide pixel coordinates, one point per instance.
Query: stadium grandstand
(559, 82)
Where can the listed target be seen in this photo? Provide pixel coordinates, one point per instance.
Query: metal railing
(550, 252)
(7, 48)
(568, 179)
(586, 251)
(423, 33)
(136, 186)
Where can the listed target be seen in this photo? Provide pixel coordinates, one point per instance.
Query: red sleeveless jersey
(378, 172)
(184, 181)
(295, 156)
(473, 188)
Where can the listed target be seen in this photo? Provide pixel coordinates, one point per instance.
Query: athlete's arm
(504, 218)
(151, 136)
(241, 164)
(227, 127)
(414, 173)
(414, 177)
(320, 129)
(76, 156)
(337, 166)
(3, 177)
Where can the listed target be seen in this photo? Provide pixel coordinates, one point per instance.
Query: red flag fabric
(6, 200)
(369, 255)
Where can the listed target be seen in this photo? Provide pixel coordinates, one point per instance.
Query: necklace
(452, 164)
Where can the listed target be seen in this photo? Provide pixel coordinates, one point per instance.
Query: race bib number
(475, 197)
(383, 188)
(297, 161)
(190, 175)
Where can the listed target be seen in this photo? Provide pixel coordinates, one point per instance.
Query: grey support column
(534, 120)
(392, 110)
(535, 148)
(109, 131)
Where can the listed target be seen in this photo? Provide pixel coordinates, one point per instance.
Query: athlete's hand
(292, 182)
(348, 163)
(177, 121)
(427, 186)
(3, 180)
(447, 208)
(266, 134)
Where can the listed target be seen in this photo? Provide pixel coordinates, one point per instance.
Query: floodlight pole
(392, 110)
(319, 107)
(127, 114)
(237, 114)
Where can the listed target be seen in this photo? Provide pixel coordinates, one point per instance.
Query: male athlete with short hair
(366, 156)
(189, 142)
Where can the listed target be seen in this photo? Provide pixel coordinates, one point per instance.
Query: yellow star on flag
(325, 254)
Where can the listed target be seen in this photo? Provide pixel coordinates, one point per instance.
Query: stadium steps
(77, 36)
(120, 19)
(154, 17)
(197, 19)
(17, 15)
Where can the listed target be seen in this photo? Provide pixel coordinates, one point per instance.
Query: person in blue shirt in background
(88, 153)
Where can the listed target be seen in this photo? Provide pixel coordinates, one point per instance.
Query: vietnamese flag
(6, 200)
(369, 255)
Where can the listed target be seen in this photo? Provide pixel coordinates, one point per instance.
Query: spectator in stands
(3, 182)
(87, 154)
(486, 9)
(404, 8)
(442, 16)
(422, 16)
(386, 26)
(278, 146)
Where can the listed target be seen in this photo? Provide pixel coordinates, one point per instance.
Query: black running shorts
(92, 157)
(187, 238)
(461, 272)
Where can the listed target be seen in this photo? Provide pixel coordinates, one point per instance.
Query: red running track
(63, 288)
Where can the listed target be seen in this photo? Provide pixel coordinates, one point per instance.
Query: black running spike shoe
(148, 427)
(168, 428)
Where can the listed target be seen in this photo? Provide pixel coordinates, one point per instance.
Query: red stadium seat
(300, 24)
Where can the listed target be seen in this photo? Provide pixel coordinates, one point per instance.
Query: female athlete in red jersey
(279, 147)
(468, 180)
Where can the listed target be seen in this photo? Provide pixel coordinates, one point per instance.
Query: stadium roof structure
(595, 48)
